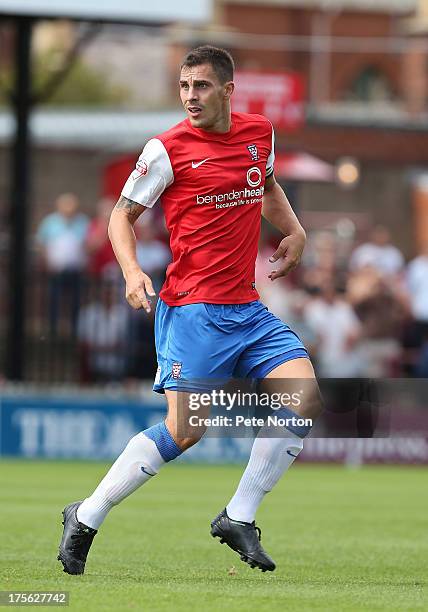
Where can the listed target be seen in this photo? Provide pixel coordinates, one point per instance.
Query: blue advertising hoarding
(95, 427)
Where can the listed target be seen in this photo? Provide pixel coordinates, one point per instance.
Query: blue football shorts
(199, 341)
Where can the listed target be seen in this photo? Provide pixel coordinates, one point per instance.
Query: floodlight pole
(20, 166)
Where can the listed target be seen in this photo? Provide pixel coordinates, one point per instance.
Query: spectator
(101, 259)
(337, 329)
(142, 360)
(321, 252)
(295, 318)
(382, 308)
(416, 338)
(102, 335)
(153, 255)
(61, 236)
(417, 283)
(378, 253)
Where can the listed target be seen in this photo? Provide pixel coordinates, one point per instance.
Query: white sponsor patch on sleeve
(151, 176)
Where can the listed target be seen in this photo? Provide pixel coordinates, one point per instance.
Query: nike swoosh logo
(199, 163)
(288, 453)
(143, 469)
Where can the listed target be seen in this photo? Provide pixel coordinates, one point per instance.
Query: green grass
(343, 540)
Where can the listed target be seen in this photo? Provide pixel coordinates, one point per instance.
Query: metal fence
(79, 329)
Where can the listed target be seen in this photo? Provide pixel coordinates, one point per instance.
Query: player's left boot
(76, 541)
(243, 538)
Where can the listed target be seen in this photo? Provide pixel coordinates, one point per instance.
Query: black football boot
(243, 538)
(76, 541)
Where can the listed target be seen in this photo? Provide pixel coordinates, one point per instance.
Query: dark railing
(80, 329)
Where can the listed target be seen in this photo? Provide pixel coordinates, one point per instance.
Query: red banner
(277, 96)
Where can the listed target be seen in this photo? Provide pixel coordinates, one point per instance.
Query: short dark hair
(220, 60)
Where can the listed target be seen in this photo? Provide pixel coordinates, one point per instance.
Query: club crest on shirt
(252, 148)
(176, 370)
(141, 168)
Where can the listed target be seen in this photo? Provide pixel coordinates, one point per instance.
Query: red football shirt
(210, 186)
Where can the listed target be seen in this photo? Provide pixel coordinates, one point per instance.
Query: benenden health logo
(254, 176)
(252, 195)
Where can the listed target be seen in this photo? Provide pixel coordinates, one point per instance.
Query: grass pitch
(343, 540)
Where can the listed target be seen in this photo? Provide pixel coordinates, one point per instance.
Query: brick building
(346, 47)
(364, 63)
(365, 66)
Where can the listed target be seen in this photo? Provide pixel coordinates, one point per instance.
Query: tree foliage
(81, 85)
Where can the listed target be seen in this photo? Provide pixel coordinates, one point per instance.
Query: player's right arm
(123, 240)
(152, 175)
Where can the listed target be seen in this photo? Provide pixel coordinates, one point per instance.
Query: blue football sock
(165, 443)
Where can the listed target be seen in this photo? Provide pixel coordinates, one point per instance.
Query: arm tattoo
(132, 209)
(126, 203)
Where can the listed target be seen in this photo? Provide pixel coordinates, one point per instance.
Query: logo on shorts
(254, 176)
(253, 152)
(176, 370)
(141, 168)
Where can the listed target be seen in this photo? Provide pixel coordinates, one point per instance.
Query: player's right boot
(76, 541)
(243, 538)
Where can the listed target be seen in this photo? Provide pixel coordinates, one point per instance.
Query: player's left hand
(290, 251)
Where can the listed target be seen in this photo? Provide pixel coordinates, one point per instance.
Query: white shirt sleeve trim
(271, 158)
(152, 175)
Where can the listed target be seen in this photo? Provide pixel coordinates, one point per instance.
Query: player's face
(205, 99)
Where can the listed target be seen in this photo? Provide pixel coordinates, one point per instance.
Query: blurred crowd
(86, 292)
(360, 309)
